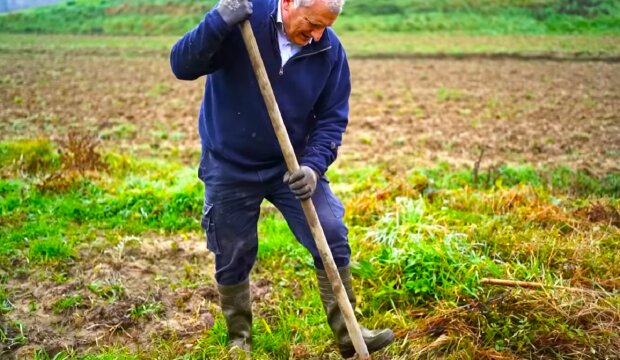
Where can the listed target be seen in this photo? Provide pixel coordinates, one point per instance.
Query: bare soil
(404, 112)
(175, 273)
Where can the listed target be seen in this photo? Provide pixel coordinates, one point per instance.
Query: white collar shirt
(288, 49)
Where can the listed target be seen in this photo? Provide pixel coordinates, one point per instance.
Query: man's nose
(317, 34)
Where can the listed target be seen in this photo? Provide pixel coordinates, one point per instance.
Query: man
(241, 162)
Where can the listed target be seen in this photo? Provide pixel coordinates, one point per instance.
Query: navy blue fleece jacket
(312, 90)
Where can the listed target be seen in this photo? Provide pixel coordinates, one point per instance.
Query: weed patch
(43, 218)
(67, 303)
(12, 335)
(50, 249)
(110, 290)
(419, 259)
(146, 310)
(30, 157)
(5, 303)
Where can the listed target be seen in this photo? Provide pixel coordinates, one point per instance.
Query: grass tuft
(147, 310)
(50, 249)
(29, 156)
(67, 303)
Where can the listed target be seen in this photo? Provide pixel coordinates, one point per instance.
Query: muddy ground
(405, 112)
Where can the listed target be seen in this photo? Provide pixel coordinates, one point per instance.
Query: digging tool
(307, 205)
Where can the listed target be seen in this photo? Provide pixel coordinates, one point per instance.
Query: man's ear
(287, 4)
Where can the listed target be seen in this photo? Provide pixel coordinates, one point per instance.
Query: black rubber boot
(237, 309)
(374, 339)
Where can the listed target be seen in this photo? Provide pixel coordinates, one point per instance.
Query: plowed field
(405, 112)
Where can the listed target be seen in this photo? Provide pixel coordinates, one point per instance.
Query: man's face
(305, 23)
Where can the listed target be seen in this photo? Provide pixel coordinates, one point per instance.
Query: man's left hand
(302, 182)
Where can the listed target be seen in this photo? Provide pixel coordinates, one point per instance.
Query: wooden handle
(307, 205)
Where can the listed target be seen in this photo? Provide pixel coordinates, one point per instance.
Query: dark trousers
(231, 210)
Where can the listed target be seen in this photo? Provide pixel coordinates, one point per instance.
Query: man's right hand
(234, 11)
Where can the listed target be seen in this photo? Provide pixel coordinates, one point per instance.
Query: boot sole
(347, 353)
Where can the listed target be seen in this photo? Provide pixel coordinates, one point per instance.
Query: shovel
(313, 220)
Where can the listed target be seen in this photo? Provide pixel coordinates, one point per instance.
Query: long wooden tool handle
(307, 205)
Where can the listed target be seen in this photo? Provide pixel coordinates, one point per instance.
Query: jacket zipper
(302, 56)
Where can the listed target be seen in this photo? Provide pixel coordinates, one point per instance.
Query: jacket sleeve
(332, 116)
(195, 54)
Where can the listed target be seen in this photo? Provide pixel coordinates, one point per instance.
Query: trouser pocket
(208, 225)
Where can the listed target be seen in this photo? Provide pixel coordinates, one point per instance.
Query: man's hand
(302, 182)
(234, 11)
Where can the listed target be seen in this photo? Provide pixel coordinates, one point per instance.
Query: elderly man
(241, 162)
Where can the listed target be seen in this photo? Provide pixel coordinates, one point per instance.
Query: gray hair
(334, 6)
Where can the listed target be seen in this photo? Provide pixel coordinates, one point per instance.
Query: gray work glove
(234, 11)
(302, 182)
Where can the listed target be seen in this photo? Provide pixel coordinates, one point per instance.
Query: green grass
(421, 243)
(50, 248)
(157, 17)
(560, 179)
(48, 219)
(490, 18)
(5, 304)
(147, 310)
(137, 199)
(278, 245)
(30, 156)
(67, 303)
(12, 333)
(417, 261)
(357, 44)
(110, 290)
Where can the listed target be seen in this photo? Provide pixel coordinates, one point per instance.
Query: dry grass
(579, 326)
(79, 158)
